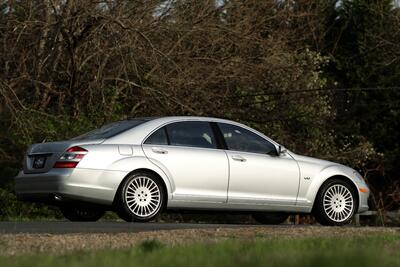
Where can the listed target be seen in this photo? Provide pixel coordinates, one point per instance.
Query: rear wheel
(335, 203)
(270, 217)
(141, 198)
(82, 214)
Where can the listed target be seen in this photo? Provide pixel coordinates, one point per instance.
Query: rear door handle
(238, 158)
(159, 150)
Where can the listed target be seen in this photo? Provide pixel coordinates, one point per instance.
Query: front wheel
(82, 214)
(270, 217)
(141, 198)
(335, 203)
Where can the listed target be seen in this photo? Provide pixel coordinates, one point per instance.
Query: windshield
(110, 130)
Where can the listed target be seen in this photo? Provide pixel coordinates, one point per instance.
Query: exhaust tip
(57, 197)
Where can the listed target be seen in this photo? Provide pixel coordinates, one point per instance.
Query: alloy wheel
(338, 203)
(143, 196)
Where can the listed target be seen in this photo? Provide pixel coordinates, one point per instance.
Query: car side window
(191, 134)
(159, 137)
(240, 139)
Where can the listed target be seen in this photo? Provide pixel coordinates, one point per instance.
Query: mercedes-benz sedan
(141, 167)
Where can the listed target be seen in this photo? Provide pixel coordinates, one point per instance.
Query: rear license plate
(39, 162)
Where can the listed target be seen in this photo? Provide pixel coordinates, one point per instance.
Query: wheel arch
(166, 188)
(342, 178)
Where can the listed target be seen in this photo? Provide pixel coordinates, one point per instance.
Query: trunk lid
(40, 158)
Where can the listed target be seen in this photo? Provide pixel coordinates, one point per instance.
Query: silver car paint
(259, 179)
(55, 148)
(319, 171)
(194, 177)
(193, 181)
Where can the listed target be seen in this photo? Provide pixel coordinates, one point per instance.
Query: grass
(375, 250)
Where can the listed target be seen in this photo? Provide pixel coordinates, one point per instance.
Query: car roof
(180, 118)
(183, 118)
(139, 133)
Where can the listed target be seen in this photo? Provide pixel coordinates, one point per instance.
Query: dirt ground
(15, 244)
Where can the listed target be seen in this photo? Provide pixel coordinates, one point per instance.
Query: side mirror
(281, 150)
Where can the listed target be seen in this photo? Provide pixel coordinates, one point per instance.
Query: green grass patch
(376, 250)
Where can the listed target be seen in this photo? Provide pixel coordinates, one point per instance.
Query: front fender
(325, 174)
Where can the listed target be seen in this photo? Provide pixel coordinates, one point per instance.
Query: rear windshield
(110, 130)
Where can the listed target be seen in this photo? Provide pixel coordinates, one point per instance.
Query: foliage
(366, 251)
(362, 37)
(11, 209)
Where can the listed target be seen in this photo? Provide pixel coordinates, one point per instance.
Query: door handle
(159, 150)
(238, 158)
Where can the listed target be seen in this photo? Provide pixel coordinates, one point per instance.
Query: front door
(258, 175)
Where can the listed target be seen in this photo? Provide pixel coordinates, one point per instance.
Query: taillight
(71, 157)
(76, 149)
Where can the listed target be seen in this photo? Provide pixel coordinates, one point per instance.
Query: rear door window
(191, 134)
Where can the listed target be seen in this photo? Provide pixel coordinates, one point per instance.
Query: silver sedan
(141, 167)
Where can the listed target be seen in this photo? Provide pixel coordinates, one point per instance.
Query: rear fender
(131, 164)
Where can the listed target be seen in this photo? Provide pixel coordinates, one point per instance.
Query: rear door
(188, 152)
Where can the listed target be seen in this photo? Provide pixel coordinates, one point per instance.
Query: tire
(340, 202)
(82, 214)
(141, 198)
(270, 218)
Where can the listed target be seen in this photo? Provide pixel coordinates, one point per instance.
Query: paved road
(59, 227)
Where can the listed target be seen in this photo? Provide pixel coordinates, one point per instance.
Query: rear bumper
(65, 185)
